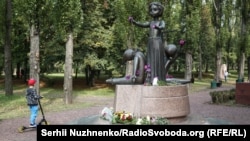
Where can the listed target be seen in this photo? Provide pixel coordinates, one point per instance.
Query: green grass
(52, 90)
(15, 106)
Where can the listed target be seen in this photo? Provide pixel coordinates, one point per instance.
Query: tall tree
(67, 86)
(34, 59)
(190, 18)
(231, 27)
(7, 49)
(245, 8)
(69, 19)
(206, 40)
(34, 56)
(95, 39)
(217, 15)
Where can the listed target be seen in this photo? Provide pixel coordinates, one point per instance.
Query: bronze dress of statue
(155, 56)
(137, 76)
(172, 52)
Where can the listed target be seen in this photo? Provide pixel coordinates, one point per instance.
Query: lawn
(51, 87)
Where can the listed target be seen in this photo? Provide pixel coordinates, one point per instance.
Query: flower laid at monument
(126, 118)
(123, 118)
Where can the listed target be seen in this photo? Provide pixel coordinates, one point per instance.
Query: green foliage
(102, 30)
(68, 14)
(162, 83)
(11, 105)
(219, 97)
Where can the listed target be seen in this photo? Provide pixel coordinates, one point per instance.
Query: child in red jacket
(32, 101)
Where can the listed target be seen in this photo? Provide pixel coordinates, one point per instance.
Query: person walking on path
(226, 75)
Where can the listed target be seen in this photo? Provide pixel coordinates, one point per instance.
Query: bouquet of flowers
(123, 118)
(127, 118)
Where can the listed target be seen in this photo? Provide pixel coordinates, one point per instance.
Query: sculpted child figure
(155, 56)
(137, 76)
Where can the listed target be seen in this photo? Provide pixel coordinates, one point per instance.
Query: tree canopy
(216, 33)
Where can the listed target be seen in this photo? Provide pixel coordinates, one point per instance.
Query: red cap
(31, 82)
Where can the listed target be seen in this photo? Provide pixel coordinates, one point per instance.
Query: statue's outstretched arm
(145, 24)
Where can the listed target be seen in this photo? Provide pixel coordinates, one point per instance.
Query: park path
(202, 112)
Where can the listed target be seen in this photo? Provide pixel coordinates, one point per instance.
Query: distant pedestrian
(22, 73)
(225, 75)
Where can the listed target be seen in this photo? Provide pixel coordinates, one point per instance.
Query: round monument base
(177, 119)
(171, 102)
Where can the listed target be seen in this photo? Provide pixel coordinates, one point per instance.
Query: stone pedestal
(170, 102)
(242, 95)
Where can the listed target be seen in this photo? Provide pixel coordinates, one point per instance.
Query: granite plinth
(242, 95)
(170, 102)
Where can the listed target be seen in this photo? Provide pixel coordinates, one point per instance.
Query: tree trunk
(242, 65)
(34, 57)
(217, 23)
(248, 69)
(68, 70)
(244, 27)
(218, 64)
(200, 63)
(189, 62)
(7, 51)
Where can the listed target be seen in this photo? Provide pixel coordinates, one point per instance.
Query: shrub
(222, 96)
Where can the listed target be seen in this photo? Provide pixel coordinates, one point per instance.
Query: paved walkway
(189, 120)
(203, 112)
